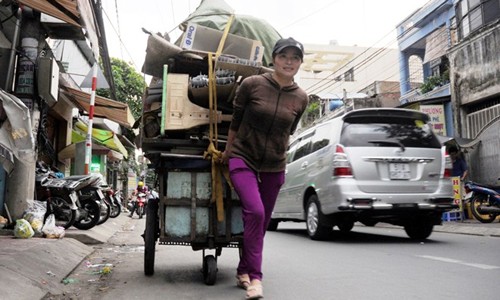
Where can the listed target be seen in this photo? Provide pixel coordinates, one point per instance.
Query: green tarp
(215, 14)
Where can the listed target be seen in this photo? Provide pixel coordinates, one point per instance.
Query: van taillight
(448, 165)
(341, 165)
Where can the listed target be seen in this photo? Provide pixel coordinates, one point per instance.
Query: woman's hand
(225, 157)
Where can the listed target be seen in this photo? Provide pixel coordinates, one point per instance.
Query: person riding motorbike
(141, 188)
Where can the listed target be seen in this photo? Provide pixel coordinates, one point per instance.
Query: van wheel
(419, 229)
(345, 226)
(369, 223)
(273, 225)
(315, 229)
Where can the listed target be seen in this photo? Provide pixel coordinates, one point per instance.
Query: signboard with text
(437, 119)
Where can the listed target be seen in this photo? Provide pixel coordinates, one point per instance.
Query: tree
(130, 87)
(129, 84)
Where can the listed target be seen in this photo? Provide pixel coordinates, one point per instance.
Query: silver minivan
(369, 165)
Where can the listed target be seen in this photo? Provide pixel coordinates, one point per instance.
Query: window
(387, 131)
(474, 3)
(303, 147)
(474, 14)
(321, 138)
(476, 19)
(465, 27)
(291, 151)
(464, 8)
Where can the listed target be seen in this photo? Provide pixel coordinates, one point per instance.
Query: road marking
(450, 260)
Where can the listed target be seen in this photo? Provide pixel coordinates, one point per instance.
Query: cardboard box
(180, 112)
(197, 37)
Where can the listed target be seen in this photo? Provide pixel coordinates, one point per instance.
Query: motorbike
(65, 199)
(140, 204)
(113, 199)
(484, 201)
(90, 197)
(60, 197)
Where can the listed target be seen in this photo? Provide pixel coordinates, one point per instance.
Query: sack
(50, 230)
(35, 213)
(23, 229)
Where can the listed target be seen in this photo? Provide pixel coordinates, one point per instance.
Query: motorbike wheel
(105, 212)
(116, 210)
(90, 213)
(476, 203)
(140, 211)
(64, 215)
(151, 234)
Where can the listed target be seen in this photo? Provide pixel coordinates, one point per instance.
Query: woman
(267, 110)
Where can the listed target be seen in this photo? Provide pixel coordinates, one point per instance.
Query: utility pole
(20, 184)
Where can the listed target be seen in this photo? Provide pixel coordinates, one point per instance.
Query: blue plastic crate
(452, 216)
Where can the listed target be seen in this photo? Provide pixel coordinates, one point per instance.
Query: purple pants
(257, 202)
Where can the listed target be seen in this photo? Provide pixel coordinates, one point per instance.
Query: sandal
(243, 281)
(254, 291)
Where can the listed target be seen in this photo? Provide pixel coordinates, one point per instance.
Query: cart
(185, 212)
(185, 215)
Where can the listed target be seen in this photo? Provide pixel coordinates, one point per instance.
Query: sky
(367, 23)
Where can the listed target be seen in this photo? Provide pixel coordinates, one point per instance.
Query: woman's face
(287, 63)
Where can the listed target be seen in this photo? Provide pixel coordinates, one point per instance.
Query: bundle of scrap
(177, 100)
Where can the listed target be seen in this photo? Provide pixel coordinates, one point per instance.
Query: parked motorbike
(90, 197)
(113, 199)
(484, 201)
(60, 196)
(65, 199)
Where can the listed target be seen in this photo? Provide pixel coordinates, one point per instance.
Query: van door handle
(304, 165)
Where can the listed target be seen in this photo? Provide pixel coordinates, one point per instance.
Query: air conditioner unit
(48, 80)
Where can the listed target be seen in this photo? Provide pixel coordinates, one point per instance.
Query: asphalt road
(368, 263)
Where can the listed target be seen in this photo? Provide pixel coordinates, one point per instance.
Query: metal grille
(478, 120)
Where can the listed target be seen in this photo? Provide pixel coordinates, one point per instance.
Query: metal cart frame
(185, 215)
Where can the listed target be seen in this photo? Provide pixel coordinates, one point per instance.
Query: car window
(321, 138)
(387, 132)
(303, 147)
(291, 151)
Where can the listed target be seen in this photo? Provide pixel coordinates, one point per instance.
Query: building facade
(36, 82)
(454, 45)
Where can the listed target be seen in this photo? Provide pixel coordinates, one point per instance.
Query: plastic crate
(452, 216)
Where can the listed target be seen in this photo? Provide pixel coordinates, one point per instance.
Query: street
(368, 263)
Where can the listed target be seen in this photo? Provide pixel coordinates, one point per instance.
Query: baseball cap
(289, 42)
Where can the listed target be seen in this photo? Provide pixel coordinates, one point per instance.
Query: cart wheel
(150, 236)
(209, 269)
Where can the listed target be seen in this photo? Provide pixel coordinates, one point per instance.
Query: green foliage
(129, 85)
(312, 111)
(433, 81)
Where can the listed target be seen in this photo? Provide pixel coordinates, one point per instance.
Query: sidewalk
(30, 268)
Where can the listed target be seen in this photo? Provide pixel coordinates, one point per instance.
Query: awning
(65, 10)
(459, 141)
(103, 107)
(70, 151)
(104, 137)
(436, 44)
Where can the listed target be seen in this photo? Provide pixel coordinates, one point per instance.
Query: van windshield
(389, 132)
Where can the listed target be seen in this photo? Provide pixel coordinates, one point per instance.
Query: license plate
(399, 171)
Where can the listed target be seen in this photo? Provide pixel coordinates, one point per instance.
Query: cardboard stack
(187, 92)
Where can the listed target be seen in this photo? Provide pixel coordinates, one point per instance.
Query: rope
(218, 169)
